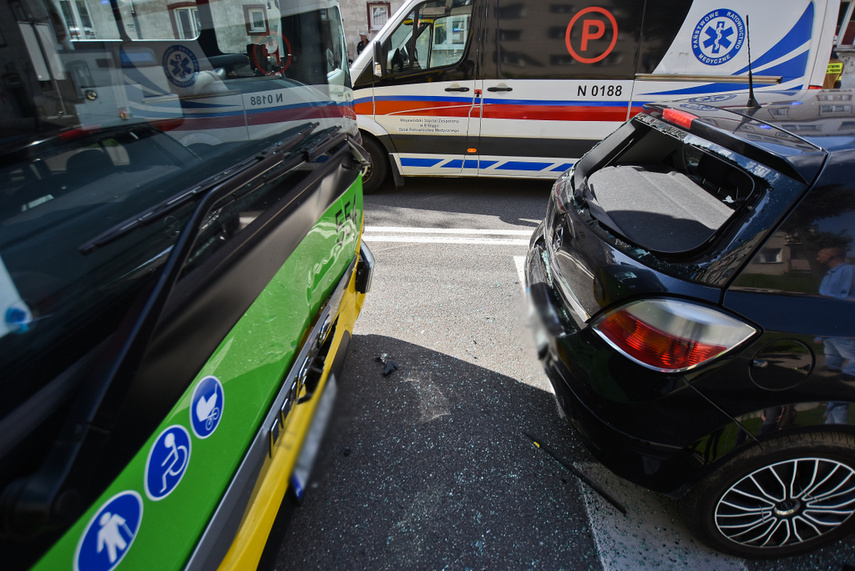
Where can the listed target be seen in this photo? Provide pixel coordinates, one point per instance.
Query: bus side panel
(152, 515)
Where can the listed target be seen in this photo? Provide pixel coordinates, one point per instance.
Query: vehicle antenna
(752, 102)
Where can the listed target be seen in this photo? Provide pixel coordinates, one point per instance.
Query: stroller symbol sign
(167, 462)
(206, 407)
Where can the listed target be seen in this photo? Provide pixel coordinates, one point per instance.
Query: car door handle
(500, 88)
(461, 89)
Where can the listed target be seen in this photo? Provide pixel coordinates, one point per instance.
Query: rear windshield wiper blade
(175, 202)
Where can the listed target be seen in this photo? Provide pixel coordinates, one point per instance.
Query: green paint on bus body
(249, 362)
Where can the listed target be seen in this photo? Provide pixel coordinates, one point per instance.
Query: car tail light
(671, 335)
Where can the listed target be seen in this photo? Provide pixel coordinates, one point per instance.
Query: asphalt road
(428, 467)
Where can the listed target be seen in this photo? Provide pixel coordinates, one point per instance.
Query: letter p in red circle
(594, 22)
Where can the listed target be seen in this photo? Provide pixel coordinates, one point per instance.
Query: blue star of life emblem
(718, 37)
(181, 66)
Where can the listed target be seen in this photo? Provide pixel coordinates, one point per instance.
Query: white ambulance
(522, 88)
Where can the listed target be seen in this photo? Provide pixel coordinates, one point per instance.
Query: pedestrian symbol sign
(110, 533)
(206, 407)
(167, 462)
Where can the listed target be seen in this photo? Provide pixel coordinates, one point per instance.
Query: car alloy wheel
(787, 502)
(783, 496)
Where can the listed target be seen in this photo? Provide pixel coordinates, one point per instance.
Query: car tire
(782, 497)
(374, 174)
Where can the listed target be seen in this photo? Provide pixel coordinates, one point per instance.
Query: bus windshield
(115, 115)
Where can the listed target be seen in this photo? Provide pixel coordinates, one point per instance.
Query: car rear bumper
(601, 412)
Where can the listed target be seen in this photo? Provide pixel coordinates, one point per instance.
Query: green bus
(181, 268)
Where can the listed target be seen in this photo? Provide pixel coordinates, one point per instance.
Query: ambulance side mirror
(378, 59)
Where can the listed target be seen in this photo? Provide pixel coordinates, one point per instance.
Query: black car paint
(702, 417)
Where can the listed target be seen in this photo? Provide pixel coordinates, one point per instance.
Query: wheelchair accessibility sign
(167, 462)
(110, 533)
(206, 407)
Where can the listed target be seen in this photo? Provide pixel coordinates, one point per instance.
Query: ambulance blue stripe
(498, 101)
(467, 164)
(789, 69)
(184, 104)
(458, 164)
(423, 98)
(188, 104)
(706, 88)
(523, 166)
(146, 111)
(795, 38)
(552, 103)
(414, 162)
(291, 107)
(239, 112)
(150, 114)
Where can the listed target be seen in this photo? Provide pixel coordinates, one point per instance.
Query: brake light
(670, 335)
(680, 118)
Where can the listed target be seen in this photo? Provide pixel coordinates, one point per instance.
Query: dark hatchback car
(694, 299)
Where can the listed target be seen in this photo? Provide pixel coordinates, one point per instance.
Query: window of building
(186, 19)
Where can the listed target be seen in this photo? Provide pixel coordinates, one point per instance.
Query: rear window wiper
(175, 202)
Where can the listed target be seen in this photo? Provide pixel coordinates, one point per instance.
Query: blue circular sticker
(181, 66)
(110, 533)
(167, 462)
(206, 407)
(718, 36)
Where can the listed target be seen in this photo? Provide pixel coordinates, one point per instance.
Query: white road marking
(650, 535)
(414, 230)
(519, 262)
(472, 236)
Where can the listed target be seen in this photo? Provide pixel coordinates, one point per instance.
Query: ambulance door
(562, 80)
(426, 95)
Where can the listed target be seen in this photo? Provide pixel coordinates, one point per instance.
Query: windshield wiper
(175, 202)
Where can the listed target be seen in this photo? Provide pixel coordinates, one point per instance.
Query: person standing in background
(839, 351)
(363, 41)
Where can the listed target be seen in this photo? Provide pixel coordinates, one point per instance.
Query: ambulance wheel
(374, 174)
(783, 497)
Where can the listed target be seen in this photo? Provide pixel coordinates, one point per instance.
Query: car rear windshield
(670, 196)
(667, 196)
